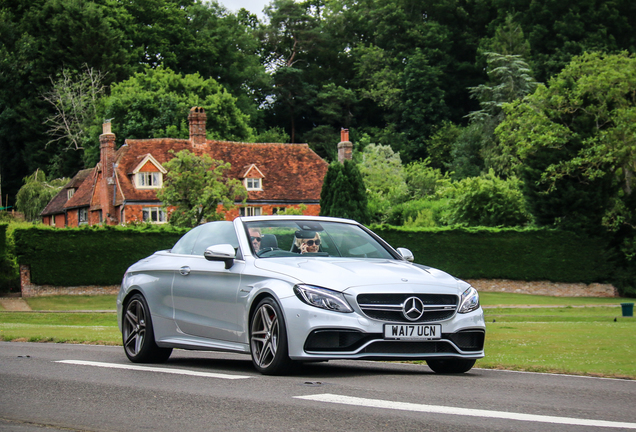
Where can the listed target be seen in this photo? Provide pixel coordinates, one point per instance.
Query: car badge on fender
(413, 309)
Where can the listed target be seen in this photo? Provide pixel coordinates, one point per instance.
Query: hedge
(87, 256)
(517, 254)
(3, 240)
(100, 256)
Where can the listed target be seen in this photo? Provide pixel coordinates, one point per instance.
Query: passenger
(309, 245)
(255, 238)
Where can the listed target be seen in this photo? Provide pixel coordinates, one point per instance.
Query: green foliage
(36, 194)
(384, 178)
(3, 240)
(272, 135)
(506, 253)
(423, 180)
(91, 255)
(485, 201)
(425, 212)
(196, 186)
(575, 141)
(343, 193)
(148, 103)
(293, 211)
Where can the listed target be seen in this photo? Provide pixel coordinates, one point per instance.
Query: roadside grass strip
(153, 369)
(435, 409)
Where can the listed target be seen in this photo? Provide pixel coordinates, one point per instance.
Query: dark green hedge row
(100, 256)
(87, 256)
(3, 240)
(517, 254)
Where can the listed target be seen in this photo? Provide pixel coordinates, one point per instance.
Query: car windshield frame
(282, 238)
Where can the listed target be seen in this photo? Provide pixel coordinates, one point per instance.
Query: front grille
(390, 307)
(397, 348)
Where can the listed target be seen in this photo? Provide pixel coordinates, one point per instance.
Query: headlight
(469, 301)
(322, 298)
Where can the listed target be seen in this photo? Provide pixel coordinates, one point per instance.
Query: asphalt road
(62, 387)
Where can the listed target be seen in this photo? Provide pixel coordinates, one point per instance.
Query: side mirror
(222, 252)
(406, 254)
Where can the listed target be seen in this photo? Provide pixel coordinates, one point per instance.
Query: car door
(204, 293)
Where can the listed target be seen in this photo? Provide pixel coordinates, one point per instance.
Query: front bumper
(316, 334)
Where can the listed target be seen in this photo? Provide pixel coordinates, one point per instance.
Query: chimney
(197, 118)
(107, 188)
(107, 150)
(345, 147)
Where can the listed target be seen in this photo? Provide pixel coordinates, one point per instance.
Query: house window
(69, 193)
(253, 184)
(276, 210)
(83, 215)
(149, 180)
(153, 215)
(250, 211)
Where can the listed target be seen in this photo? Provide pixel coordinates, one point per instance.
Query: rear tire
(451, 366)
(138, 335)
(268, 339)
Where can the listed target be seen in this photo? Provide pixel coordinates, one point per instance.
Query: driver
(255, 238)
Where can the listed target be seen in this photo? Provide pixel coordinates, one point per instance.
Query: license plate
(412, 331)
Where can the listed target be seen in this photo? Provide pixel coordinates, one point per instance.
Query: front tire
(268, 339)
(138, 335)
(451, 366)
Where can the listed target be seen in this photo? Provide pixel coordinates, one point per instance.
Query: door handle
(184, 271)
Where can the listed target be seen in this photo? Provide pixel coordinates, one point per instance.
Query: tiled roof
(293, 172)
(59, 202)
(84, 193)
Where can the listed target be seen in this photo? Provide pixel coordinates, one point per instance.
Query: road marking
(153, 369)
(434, 409)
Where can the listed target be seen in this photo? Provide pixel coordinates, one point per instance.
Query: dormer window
(149, 180)
(252, 178)
(69, 193)
(149, 173)
(253, 184)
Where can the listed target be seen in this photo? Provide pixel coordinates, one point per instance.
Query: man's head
(255, 238)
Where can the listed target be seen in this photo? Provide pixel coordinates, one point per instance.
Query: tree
(486, 200)
(36, 194)
(75, 99)
(343, 193)
(155, 104)
(198, 189)
(384, 178)
(576, 139)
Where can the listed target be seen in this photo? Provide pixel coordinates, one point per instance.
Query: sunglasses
(258, 239)
(313, 242)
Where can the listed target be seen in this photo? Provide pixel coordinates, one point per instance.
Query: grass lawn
(73, 302)
(96, 328)
(574, 335)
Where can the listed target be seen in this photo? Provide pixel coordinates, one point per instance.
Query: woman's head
(309, 245)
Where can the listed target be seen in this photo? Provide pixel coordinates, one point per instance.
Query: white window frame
(251, 211)
(254, 184)
(69, 193)
(147, 215)
(149, 180)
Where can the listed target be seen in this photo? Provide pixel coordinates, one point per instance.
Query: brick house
(122, 187)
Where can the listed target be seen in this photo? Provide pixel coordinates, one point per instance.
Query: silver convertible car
(290, 289)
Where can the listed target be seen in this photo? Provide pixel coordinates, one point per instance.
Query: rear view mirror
(222, 252)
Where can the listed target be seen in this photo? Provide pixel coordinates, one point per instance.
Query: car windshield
(287, 238)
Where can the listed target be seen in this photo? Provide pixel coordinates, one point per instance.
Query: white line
(153, 369)
(376, 403)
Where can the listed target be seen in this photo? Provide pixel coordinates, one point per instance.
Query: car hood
(341, 274)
